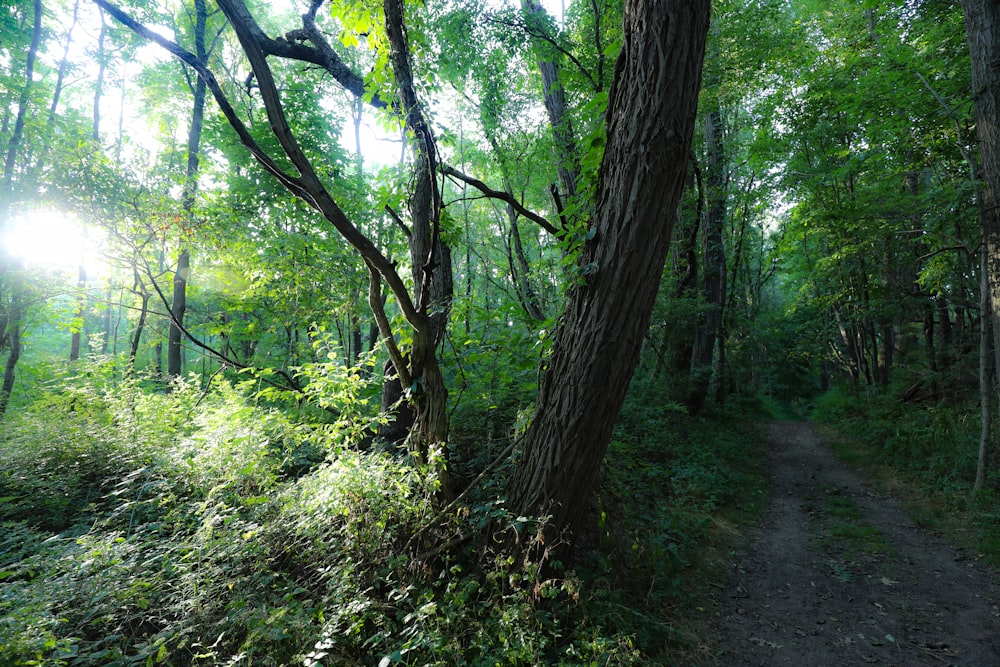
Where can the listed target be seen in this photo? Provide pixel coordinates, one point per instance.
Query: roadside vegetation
(207, 526)
(925, 455)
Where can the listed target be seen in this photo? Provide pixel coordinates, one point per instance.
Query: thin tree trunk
(714, 288)
(986, 352)
(555, 104)
(106, 321)
(650, 122)
(78, 315)
(15, 310)
(14, 336)
(14, 143)
(140, 325)
(178, 306)
(99, 83)
(57, 91)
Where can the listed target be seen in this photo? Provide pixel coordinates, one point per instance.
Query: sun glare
(53, 239)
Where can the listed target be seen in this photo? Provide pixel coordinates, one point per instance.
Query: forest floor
(837, 574)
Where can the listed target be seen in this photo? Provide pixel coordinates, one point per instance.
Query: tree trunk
(56, 93)
(714, 288)
(11, 282)
(555, 104)
(982, 26)
(430, 256)
(178, 306)
(14, 142)
(137, 334)
(650, 121)
(99, 83)
(986, 353)
(78, 316)
(14, 335)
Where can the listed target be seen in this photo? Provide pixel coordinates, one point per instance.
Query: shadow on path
(837, 575)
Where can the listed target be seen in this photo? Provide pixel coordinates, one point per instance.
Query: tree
(425, 309)
(178, 305)
(982, 26)
(650, 123)
(9, 281)
(710, 333)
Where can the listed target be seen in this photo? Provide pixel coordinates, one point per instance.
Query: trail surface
(837, 575)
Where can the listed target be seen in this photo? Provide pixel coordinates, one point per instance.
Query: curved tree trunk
(431, 257)
(650, 121)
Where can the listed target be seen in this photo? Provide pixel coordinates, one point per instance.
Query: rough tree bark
(555, 103)
(650, 121)
(982, 26)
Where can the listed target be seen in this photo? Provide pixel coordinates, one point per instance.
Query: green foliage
(670, 482)
(162, 529)
(936, 444)
(924, 453)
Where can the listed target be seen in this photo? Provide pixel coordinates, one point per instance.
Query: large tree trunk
(650, 121)
(982, 25)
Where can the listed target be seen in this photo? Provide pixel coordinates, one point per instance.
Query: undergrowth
(214, 528)
(925, 453)
(675, 490)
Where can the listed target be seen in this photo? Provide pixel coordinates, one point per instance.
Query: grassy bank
(924, 455)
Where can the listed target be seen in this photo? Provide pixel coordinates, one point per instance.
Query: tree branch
(307, 186)
(538, 33)
(502, 196)
(292, 47)
(385, 329)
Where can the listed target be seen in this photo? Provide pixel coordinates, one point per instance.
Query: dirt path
(839, 576)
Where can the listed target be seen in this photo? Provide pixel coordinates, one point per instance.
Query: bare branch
(502, 196)
(399, 221)
(537, 32)
(385, 330)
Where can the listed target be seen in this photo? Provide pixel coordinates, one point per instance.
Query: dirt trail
(839, 576)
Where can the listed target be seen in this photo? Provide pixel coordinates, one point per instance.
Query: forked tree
(650, 120)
